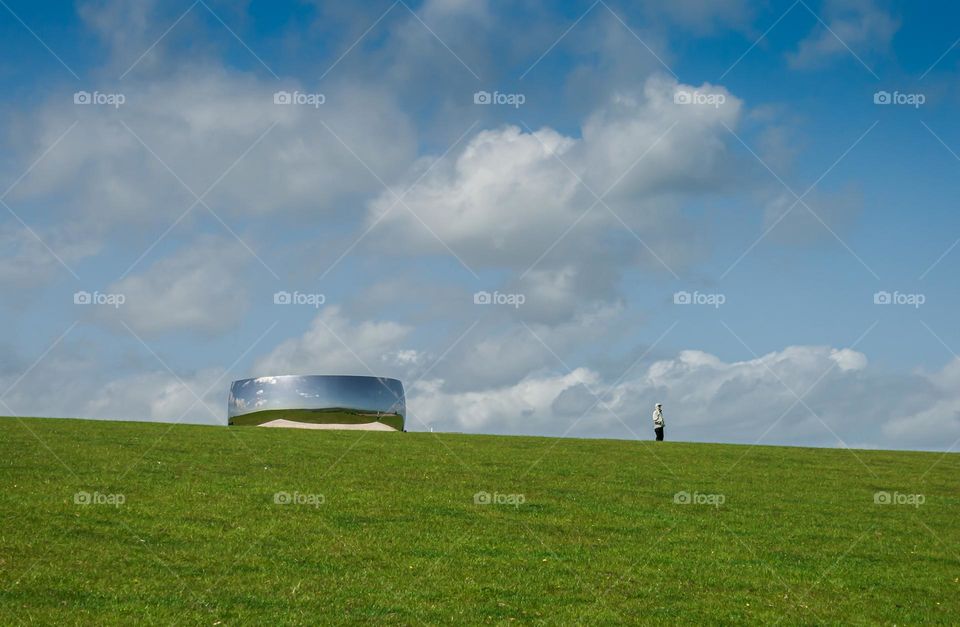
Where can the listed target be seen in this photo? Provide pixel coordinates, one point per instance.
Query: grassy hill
(183, 527)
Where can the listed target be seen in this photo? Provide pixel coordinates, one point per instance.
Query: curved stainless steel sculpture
(318, 402)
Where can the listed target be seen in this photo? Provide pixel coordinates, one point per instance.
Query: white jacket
(657, 417)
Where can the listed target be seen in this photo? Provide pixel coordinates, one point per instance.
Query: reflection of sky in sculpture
(366, 394)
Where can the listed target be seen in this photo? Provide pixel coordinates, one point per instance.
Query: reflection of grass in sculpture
(330, 415)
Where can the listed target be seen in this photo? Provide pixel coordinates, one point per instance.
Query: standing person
(658, 421)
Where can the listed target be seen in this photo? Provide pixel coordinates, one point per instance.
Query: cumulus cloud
(936, 418)
(207, 128)
(498, 351)
(527, 403)
(511, 193)
(507, 381)
(159, 396)
(335, 344)
(73, 382)
(858, 25)
(846, 401)
(200, 288)
(28, 255)
(520, 199)
(708, 399)
(125, 28)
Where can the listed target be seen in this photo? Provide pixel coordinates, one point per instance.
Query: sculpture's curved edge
(318, 402)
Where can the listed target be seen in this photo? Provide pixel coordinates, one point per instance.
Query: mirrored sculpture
(318, 402)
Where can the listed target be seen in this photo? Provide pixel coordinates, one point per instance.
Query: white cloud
(336, 345)
(497, 353)
(858, 25)
(73, 381)
(491, 200)
(708, 399)
(524, 407)
(159, 396)
(935, 417)
(125, 28)
(510, 194)
(200, 288)
(26, 260)
(204, 123)
(848, 359)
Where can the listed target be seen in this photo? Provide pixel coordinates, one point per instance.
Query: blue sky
(200, 196)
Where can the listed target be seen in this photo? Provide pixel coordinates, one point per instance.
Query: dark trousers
(659, 432)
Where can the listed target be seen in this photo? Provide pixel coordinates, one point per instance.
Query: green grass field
(383, 527)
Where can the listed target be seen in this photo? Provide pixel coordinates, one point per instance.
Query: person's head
(659, 405)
